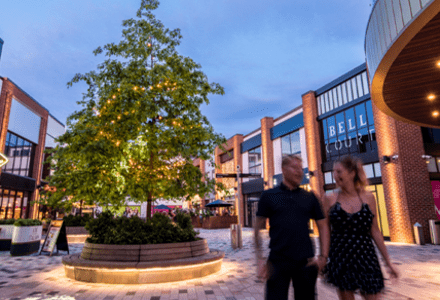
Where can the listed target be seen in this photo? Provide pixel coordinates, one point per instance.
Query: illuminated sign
(436, 193)
(3, 160)
(352, 127)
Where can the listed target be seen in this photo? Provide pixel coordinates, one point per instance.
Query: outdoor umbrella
(218, 203)
(162, 206)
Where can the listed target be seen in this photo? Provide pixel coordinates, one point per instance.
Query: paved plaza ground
(42, 277)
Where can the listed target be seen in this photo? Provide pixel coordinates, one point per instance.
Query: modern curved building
(402, 46)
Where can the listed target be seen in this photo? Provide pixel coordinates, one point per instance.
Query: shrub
(27, 222)
(76, 221)
(7, 222)
(134, 231)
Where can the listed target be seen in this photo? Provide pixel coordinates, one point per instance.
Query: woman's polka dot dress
(353, 262)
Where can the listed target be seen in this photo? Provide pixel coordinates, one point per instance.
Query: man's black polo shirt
(289, 213)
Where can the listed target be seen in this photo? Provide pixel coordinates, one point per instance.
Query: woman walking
(351, 211)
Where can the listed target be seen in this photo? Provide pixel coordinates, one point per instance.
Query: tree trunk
(149, 201)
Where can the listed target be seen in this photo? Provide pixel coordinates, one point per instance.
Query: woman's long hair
(352, 163)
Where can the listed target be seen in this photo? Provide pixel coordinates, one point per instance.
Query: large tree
(140, 126)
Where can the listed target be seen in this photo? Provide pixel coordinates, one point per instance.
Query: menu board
(56, 235)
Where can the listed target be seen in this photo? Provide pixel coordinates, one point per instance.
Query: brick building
(401, 160)
(27, 129)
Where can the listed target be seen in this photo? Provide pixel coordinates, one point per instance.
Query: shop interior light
(431, 97)
(435, 113)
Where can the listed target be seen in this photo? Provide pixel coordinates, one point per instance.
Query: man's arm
(262, 270)
(324, 237)
(260, 223)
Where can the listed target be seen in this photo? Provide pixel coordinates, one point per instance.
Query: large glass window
(20, 153)
(255, 160)
(291, 143)
(13, 204)
(351, 131)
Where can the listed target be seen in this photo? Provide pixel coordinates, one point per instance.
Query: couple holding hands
(347, 225)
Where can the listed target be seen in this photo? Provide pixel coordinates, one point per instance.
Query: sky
(265, 54)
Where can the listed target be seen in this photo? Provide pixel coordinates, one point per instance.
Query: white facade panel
(24, 122)
(245, 160)
(54, 128)
(302, 138)
(1, 84)
(277, 155)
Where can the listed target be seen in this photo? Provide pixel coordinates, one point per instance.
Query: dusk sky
(264, 53)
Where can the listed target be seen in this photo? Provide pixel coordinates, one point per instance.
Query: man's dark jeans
(281, 273)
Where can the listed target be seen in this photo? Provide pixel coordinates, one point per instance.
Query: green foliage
(134, 231)
(7, 222)
(76, 221)
(27, 222)
(140, 125)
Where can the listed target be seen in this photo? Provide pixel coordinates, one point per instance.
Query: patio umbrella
(218, 203)
(162, 206)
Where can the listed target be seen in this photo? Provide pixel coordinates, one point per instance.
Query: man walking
(289, 209)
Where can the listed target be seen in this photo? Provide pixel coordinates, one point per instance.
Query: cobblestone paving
(42, 277)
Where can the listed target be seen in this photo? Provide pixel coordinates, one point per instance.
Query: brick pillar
(313, 142)
(313, 146)
(236, 141)
(5, 108)
(407, 187)
(267, 152)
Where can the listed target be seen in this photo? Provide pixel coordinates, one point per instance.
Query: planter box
(26, 240)
(144, 253)
(6, 237)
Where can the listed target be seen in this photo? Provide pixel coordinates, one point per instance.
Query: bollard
(434, 228)
(418, 234)
(236, 238)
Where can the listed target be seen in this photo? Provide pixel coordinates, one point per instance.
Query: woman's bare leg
(346, 295)
(372, 296)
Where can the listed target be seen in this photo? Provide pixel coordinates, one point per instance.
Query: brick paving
(42, 277)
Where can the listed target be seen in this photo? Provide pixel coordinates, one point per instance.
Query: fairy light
(114, 97)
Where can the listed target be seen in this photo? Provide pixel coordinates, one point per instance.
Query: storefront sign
(3, 160)
(348, 142)
(436, 193)
(56, 235)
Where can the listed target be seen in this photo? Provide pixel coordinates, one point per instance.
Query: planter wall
(76, 234)
(6, 237)
(144, 253)
(26, 240)
(214, 222)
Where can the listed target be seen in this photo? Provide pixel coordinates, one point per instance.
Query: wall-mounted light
(388, 159)
(427, 158)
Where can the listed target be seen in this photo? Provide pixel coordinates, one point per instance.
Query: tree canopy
(140, 126)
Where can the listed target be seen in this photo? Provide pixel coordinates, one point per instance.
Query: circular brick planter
(135, 264)
(76, 234)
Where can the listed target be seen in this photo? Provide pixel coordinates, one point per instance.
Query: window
(20, 153)
(291, 143)
(255, 160)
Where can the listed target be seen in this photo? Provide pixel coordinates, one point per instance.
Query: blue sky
(264, 53)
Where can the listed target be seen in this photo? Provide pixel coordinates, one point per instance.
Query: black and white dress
(353, 262)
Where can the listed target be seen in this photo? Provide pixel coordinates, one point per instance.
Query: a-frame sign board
(56, 235)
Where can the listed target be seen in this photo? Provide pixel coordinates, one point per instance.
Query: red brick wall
(406, 182)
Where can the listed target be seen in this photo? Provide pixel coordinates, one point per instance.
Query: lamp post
(236, 232)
